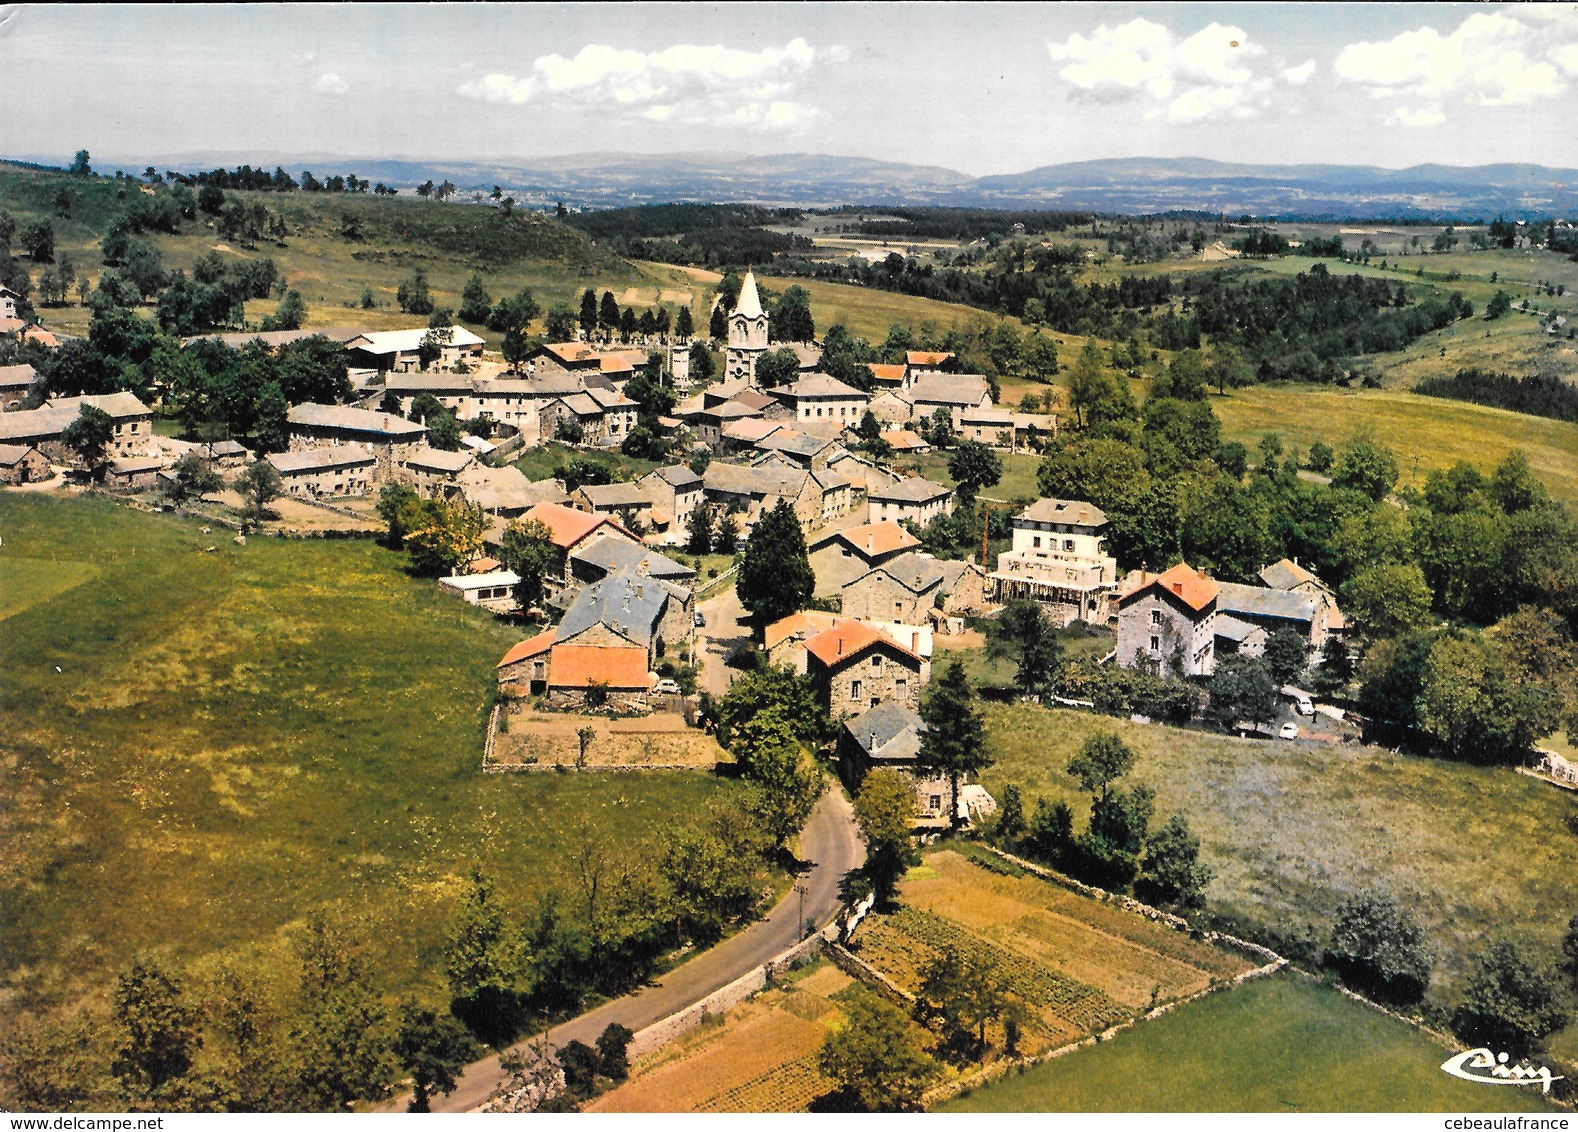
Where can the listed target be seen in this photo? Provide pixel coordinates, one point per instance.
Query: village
(620, 624)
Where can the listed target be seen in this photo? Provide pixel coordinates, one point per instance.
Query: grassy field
(199, 748)
(539, 463)
(1078, 965)
(1291, 828)
(1079, 641)
(552, 740)
(1280, 1044)
(868, 313)
(1019, 473)
(1425, 432)
(759, 1056)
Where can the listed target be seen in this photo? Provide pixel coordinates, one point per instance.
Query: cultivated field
(1078, 965)
(1291, 828)
(546, 739)
(1280, 1044)
(200, 748)
(759, 1056)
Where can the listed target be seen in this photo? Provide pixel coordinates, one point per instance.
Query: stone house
(613, 499)
(23, 463)
(506, 492)
(1058, 559)
(822, 398)
(954, 392)
(925, 363)
(885, 377)
(673, 494)
(842, 556)
(389, 438)
(8, 302)
(134, 473)
(854, 667)
(606, 417)
(906, 589)
(41, 428)
(435, 473)
(567, 674)
(345, 469)
(571, 531)
(991, 425)
(914, 499)
(884, 737)
(15, 381)
(1169, 620)
(454, 391)
(784, 640)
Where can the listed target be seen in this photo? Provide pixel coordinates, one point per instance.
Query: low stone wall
(665, 1030)
(857, 968)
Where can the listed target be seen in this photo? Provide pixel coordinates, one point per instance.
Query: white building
(1058, 560)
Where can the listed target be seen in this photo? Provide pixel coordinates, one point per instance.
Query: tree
(1101, 760)
(482, 962)
(192, 477)
(1475, 708)
(476, 305)
(270, 413)
(885, 812)
(1335, 669)
(559, 324)
(789, 782)
(447, 536)
(770, 705)
(607, 312)
(1320, 457)
(527, 549)
(1379, 949)
(1023, 629)
(433, 1049)
(1286, 654)
(1387, 599)
(973, 466)
(1170, 872)
(954, 743)
(1500, 303)
(778, 367)
(1242, 691)
(413, 295)
(875, 1059)
(1365, 467)
(959, 996)
(613, 1046)
(291, 313)
(1570, 951)
(588, 316)
(684, 324)
(516, 312)
(698, 530)
(80, 166)
(775, 577)
(443, 432)
(790, 320)
(1513, 1001)
(160, 1032)
(259, 485)
(726, 536)
(89, 437)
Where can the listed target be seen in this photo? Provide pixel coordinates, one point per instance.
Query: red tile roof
(925, 358)
(886, 372)
(579, 666)
(1190, 586)
(848, 639)
(879, 538)
(527, 648)
(567, 525)
(808, 622)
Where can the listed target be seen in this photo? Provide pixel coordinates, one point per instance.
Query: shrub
(1512, 1003)
(1378, 949)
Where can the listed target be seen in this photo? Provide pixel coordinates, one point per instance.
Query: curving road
(830, 841)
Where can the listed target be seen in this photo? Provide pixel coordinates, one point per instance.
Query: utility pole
(801, 890)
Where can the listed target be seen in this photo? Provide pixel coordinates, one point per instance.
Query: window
(1036, 542)
(1068, 544)
(854, 689)
(1156, 617)
(936, 802)
(898, 611)
(1156, 643)
(876, 662)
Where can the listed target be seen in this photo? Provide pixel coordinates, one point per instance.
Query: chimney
(1177, 587)
(840, 640)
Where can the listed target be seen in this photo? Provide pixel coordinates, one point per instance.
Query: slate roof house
(390, 438)
(913, 498)
(908, 587)
(42, 427)
(854, 667)
(841, 556)
(15, 381)
(346, 469)
(386, 350)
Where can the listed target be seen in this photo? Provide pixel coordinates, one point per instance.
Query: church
(747, 334)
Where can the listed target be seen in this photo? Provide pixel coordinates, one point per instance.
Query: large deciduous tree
(875, 1059)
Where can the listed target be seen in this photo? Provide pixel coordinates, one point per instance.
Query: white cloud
(1490, 59)
(1418, 119)
(685, 82)
(331, 84)
(1215, 67)
(1298, 76)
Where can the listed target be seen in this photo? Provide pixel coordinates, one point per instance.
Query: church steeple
(747, 332)
(750, 304)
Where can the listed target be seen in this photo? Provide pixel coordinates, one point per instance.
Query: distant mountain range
(1125, 185)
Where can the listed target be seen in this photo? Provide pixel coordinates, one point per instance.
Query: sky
(978, 88)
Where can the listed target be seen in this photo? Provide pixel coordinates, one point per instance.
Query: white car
(1305, 707)
(1289, 731)
(665, 688)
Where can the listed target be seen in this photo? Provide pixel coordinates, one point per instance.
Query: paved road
(832, 845)
(726, 627)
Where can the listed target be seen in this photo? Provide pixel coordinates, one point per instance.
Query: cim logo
(1492, 1069)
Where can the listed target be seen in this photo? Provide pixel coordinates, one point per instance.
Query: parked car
(1289, 731)
(665, 688)
(1305, 707)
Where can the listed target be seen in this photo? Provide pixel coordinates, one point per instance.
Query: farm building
(842, 556)
(347, 469)
(673, 493)
(435, 472)
(907, 588)
(399, 350)
(23, 463)
(42, 427)
(15, 381)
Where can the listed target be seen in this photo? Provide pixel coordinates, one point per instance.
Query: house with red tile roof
(855, 667)
(1169, 620)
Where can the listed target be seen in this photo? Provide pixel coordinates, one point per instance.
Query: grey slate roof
(949, 389)
(615, 495)
(437, 460)
(913, 489)
(876, 728)
(1232, 628)
(679, 477)
(615, 556)
(1259, 601)
(631, 606)
(1075, 512)
(317, 459)
(383, 425)
(1285, 575)
(818, 386)
(732, 479)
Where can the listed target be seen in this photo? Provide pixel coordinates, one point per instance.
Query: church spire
(750, 304)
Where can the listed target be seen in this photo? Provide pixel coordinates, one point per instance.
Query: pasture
(234, 738)
(1279, 1044)
(1291, 828)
